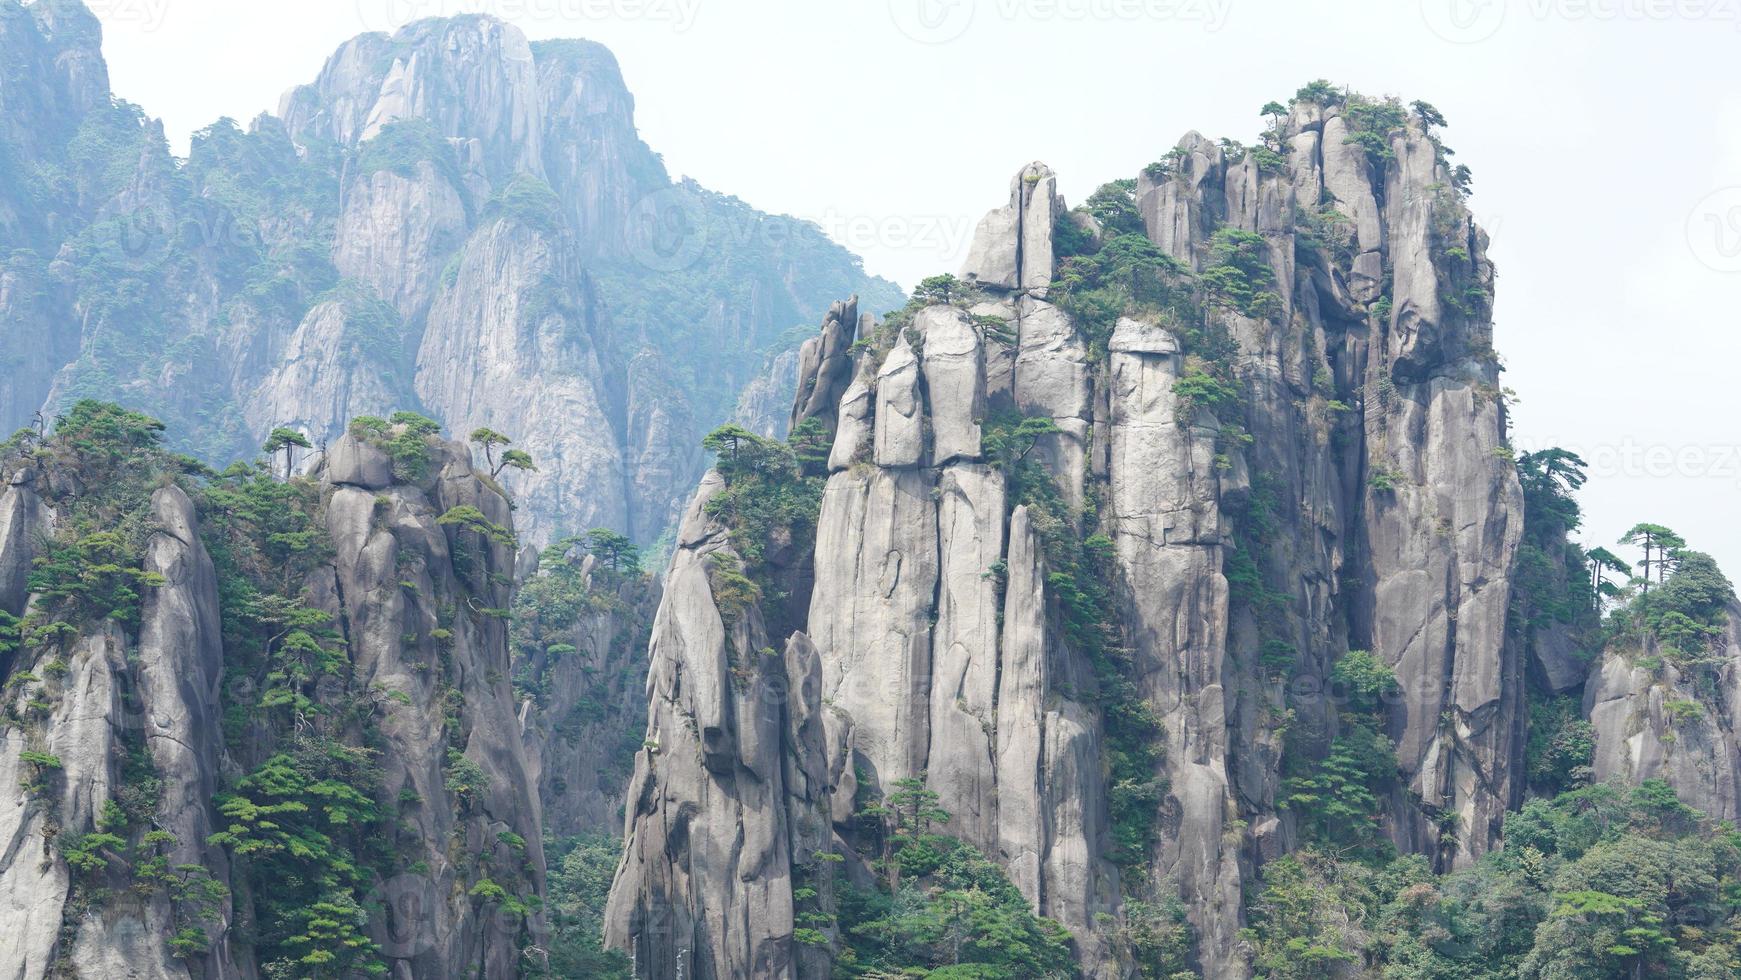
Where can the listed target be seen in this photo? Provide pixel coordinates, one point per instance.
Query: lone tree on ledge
(286, 441)
(1656, 540)
(614, 550)
(516, 458)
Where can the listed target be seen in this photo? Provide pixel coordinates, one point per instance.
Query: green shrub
(1318, 92)
(84, 853)
(403, 144)
(464, 778)
(529, 201)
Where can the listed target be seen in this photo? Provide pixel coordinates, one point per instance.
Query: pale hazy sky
(1605, 136)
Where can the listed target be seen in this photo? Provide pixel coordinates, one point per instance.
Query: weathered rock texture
(1365, 499)
(1653, 721)
(449, 220)
(108, 691)
(730, 801)
(398, 579)
(158, 687)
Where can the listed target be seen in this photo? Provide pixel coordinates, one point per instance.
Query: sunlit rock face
(1351, 490)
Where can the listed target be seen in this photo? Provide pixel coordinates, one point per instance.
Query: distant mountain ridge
(449, 220)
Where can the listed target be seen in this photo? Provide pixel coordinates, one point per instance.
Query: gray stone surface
(391, 580)
(1420, 500)
(825, 367)
(900, 409)
(1695, 747)
(728, 799)
(953, 366)
(1012, 246)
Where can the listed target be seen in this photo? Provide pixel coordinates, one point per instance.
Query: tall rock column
(1443, 513)
(180, 668)
(83, 706)
(728, 804)
(825, 365)
(418, 602)
(1164, 493)
(932, 612)
(1382, 302)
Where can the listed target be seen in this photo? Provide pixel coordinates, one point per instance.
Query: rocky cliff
(450, 220)
(1102, 515)
(1158, 596)
(1667, 707)
(728, 807)
(255, 727)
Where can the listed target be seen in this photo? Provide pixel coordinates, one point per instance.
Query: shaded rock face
(487, 63)
(179, 675)
(730, 799)
(319, 381)
(1654, 722)
(158, 689)
(766, 402)
(450, 220)
(383, 539)
(583, 729)
(825, 365)
(24, 521)
(58, 78)
(1366, 501)
(36, 344)
(1395, 534)
(529, 363)
(81, 733)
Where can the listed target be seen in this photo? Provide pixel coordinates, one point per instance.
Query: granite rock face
(395, 581)
(81, 732)
(56, 50)
(729, 803)
(1012, 247)
(111, 697)
(825, 365)
(509, 347)
(1353, 491)
(158, 688)
(1654, 721)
